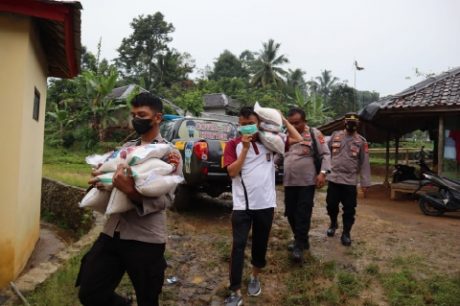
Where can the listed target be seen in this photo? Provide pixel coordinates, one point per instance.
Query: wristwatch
(325, 172)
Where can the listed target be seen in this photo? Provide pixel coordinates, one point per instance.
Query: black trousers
(242, 220)
(106, 262)
(345, 194)
(298, 201)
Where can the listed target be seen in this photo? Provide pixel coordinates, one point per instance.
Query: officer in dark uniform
(349, 160)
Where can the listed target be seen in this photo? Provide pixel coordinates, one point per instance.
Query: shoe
(346, 239)
(234, 300)
(331, 230)
(297, 255)
(254, 287)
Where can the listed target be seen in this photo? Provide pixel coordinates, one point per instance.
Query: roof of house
(215, 100)
(123, 92)
(220, 101)
(416, 108)
(442, 90)
(59, 27)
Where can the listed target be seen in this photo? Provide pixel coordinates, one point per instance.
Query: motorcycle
(446, 199)
(405, 172)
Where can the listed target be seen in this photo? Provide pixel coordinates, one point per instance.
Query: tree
(62, 119)
(267, 70)
(295, 80)
(172, 67)
(228, 66)
(326, 83)
(247, 59)
(97, 107)
(315, 109)
(138, 53)
(342, 99)
(191, 102)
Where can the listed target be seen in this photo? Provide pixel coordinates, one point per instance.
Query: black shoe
(346, 239)
(297, 255)
(331, 230)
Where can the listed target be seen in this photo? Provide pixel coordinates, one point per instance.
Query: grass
(321, 283)
(66, 166)
(59, 289)
(407, 284)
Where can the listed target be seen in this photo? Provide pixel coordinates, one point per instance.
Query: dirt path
(385, 231)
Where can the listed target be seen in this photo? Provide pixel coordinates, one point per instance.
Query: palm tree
(267, 70)
(325, 83)
(294, 80)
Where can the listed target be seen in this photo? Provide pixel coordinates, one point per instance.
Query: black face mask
(351, 127)
(141, 126)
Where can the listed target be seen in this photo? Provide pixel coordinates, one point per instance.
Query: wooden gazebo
(427, 106)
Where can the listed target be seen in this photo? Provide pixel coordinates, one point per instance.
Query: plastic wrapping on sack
(106, 180)
(142, 153)
(156, 185)
(130, 156)
(96, 200)
(141, 171)
(269, 115)
(269, 127)
(273, 141)
(97, 159)
(118, 203)
(150, 173)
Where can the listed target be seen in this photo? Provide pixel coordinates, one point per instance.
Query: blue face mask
(248, 129)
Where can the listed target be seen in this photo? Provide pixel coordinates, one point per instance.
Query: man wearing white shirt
(251, 166)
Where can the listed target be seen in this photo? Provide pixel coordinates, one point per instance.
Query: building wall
(23, 69)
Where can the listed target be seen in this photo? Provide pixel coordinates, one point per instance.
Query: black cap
(351, 117)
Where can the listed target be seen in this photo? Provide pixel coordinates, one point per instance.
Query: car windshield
(207, 129)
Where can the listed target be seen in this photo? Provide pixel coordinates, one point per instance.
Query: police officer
(302, 176)
(349, 159)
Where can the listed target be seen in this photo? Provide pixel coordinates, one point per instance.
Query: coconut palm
(267, 66)
(325, 83)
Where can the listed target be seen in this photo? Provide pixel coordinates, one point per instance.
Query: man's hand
(174, 159)
(94, 180)
(123, 180)
(246, 140)
(320, 180)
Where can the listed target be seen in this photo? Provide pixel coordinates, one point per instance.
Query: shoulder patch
(320, 137)
(366, 147)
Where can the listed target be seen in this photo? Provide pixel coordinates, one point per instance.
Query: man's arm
(365, 167)
(293, 135)
(234, 168)
(124, 181)
(325, 155)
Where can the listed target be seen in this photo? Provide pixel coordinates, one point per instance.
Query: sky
(389, 38)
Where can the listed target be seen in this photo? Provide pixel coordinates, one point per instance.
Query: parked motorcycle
(446, 199)
(405, 172)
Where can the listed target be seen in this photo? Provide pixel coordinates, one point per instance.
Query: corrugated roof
(442, 90)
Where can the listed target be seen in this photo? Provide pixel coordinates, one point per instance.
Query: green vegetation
(82, 111)
(408, 284)
(66, 166)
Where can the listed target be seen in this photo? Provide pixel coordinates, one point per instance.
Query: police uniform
(300, 181)
(349, 160)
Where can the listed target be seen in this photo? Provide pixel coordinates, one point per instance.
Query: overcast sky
(389, 38)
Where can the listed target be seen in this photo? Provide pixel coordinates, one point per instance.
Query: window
(36, 111)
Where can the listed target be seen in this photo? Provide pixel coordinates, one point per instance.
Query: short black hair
(297, 110)
(147, 99)
(247, 111)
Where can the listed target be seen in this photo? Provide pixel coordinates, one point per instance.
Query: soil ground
(386, 232)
